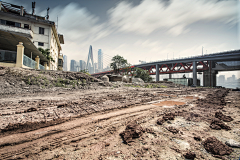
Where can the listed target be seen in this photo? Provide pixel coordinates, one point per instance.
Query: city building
(82, 64)
(17, 27)
(65, 63)
(95, 67)
(73, 65)
(221, 79)
(100, 60)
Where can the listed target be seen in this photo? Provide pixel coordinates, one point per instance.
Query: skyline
(146, 30)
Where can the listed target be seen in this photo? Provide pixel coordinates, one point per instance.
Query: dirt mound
(21, 80)
(223, 117)
(173, 130)
(189, 155)
(167, 116)
(133, 130)
(218, 125)
(214, 146)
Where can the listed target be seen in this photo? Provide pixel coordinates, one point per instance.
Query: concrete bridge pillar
(157, 72)
(194, 73)
(209, 76)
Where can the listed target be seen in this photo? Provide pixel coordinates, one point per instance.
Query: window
(17, 24)
(3, 21)
(41, 30)
(26, 26)
(10, 23)
(40, 44)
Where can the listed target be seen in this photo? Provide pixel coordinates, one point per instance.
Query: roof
(9, 41)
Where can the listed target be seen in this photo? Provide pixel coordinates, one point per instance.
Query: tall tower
(90, 57)
(100, 60)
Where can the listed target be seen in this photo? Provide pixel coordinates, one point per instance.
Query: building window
(17, 24)
(26, 26)
(41, 30)
(40, 44)
(3, 22)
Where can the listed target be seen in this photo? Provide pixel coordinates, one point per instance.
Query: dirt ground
(120, 123)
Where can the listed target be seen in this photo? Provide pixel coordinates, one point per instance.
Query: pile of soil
(133, 130)
(214, 146)
(223, 117)
(173, 130)
(189, 155)
(21, 80)
(218, 125)
(167, 116)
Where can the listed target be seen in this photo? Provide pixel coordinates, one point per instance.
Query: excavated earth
(89, 119)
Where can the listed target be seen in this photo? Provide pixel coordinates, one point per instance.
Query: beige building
(41, 32)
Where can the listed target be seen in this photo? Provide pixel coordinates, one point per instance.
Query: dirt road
(87, 124)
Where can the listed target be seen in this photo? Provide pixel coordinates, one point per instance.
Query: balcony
(17, 30)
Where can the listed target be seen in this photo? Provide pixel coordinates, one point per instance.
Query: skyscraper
(100, 60)
(82, 64)
(73, 65)
(65, 63)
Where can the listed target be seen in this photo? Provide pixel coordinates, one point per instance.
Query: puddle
(191, 97)
(169, 103)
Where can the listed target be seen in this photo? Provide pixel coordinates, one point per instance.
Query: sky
(146, 30)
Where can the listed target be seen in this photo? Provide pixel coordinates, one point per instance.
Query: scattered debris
(223, 117)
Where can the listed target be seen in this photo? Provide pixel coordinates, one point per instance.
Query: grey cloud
(151, 15)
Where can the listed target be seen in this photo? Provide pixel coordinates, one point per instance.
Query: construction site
(71, 115)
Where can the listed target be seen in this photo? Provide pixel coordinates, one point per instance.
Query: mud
(132, 131)
(190, 155)
(109, 122)
(223, 117)
(173, 130)
(216, 147)
(169, 103)
(218, 124)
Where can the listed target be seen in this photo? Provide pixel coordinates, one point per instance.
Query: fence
(29, 62)
(8, 56)
(41, 67)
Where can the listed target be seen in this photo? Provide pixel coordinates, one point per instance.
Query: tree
(46, 53)
(143, 74)
(118, 63)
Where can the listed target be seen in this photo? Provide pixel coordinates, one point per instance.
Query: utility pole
(202, 50)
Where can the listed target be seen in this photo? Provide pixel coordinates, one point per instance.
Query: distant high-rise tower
(73, 65)
(65, 63)
(100, 60)
(82, 64)
(90, 58)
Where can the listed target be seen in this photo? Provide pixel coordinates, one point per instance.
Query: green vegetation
(85, 71)
(46, 53)
(143, 74)
(118, 62)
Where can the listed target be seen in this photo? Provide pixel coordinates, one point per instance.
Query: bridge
(209, 64)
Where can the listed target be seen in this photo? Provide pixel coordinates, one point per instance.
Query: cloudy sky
(145, 30)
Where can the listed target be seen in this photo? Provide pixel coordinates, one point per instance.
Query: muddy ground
(124, 122)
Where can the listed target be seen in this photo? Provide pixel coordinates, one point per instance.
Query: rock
(218, 125)
(139, 80)
(232, 143)
(105, 78)
(125, 79)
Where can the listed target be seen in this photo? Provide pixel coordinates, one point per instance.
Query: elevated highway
(209, 64)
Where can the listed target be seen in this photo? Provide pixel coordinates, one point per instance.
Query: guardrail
(41, 67)
(8, 56)
(29, 62)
